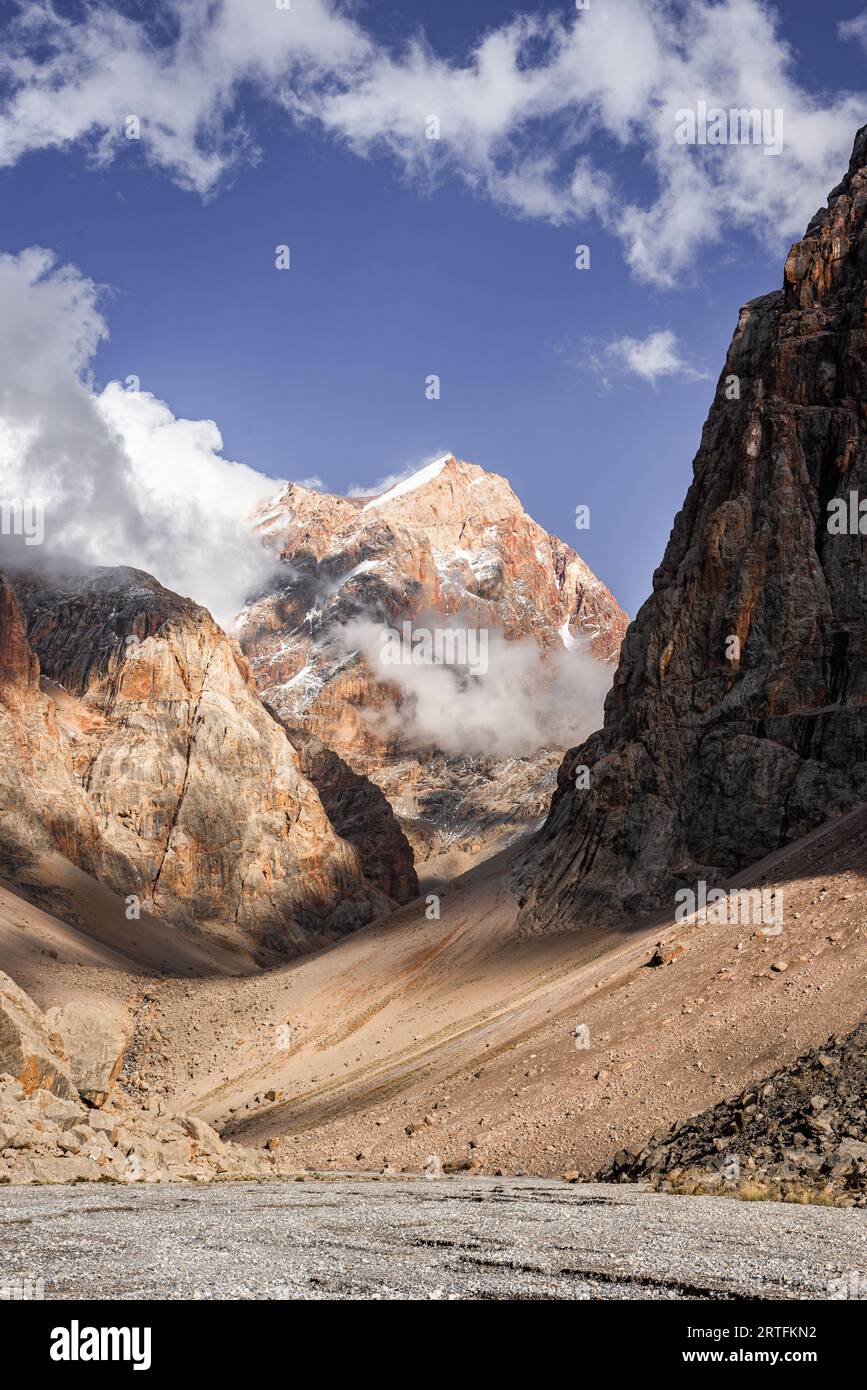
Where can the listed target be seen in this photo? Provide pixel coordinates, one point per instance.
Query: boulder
(43, 1106)
(28, 1052)
(94, 1039)
(666, 954)
(48, 1168)
(201, 1133)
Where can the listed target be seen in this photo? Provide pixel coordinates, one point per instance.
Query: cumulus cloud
(546, 115)
(657, 355)
(179, 72)
(121, 479)
(524, 700)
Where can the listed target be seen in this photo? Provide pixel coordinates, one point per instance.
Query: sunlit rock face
(449, 547)
(158, 768)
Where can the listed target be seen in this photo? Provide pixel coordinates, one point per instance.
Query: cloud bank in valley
(524, 701)
(122, 480)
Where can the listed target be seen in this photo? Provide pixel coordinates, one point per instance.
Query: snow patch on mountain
(363, 568)
(416, 480)
(485, 564)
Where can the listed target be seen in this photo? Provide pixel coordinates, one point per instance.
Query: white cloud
(122, 480)
(657, 355)
(550, 117)
(91, 75)
(524, 701)
(854, 29)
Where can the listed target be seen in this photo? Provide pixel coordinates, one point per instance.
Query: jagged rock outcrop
(199, 807)
(362, 815)
(451, 544)
(737, 719)
(94, 1038)
(29, 1052)
(42, 805)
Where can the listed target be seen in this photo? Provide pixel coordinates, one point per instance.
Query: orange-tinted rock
(29, 1051)
(42, 805)
(201, 808)
(456, 544)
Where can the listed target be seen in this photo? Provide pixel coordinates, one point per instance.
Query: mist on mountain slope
(525, 700)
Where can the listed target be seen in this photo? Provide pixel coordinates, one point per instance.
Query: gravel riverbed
(465, 1238)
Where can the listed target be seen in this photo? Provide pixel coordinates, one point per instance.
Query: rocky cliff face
(192, 794)
(452, 545)
(362, 815)
(737, 719)
(42, 805)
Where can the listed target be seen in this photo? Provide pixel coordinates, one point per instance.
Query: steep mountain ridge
(738, 716)
(42, 806)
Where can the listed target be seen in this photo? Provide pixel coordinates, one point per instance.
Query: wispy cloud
(854, 29)
(520, 116)
(523, 702)
(658, 355)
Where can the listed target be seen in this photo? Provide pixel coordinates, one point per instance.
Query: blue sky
(321, 370)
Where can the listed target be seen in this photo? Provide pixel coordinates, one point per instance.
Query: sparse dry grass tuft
(698, 1182)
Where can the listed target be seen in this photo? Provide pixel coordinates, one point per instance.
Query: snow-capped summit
(451, 544)
(415, 480)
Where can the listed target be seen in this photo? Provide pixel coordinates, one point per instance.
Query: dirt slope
(50, 955)
(463, 1023)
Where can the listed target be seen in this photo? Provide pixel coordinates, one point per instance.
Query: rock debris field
(454, 1238)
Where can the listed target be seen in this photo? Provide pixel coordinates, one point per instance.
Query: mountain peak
(448, 545)
(420, 478)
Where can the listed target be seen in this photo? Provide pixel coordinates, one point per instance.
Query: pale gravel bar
(475, 1238)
